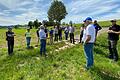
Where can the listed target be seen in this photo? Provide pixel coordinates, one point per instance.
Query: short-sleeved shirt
(56, 31)
(10, 36)
(28, 34)
(90, 30)
(66, 30)
(42, 34)
(51, 32)
(71, 29)
(113, 36)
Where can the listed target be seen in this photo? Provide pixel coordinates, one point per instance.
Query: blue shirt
(51, 32)
(42, 34)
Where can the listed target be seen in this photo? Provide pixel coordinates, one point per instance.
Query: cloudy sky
(22, 11)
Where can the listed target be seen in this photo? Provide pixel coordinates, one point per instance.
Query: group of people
(43, 33)
(88, 37)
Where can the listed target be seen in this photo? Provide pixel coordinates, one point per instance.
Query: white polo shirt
(90, 30)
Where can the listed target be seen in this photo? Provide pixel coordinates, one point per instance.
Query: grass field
(66, 64)
(102, 23)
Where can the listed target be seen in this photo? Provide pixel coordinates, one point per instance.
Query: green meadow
(67, 64)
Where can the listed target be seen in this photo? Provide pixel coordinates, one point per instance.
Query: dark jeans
(66, 36)
(56, 37)
(10, 47)
(113, 50)
(60, 36)
(88, 50)
(72, 38)
(43, 46)
(81, 35)
(28, 39)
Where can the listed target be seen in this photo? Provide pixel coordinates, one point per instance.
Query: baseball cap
(114, 20)
(10, 27)
(41, 27)
(88, 18)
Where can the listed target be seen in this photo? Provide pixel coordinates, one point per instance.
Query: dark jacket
(113, 36)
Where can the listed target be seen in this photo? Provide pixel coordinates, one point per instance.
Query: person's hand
(14, 35)
(84, 43)
(110, 31)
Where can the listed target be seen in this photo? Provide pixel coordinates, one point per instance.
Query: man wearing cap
(113, 37)
(42, 35)
(10, 40)
(89, 39)
(71, 31)
(97, 27)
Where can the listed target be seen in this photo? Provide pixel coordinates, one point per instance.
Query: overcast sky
(22, 11)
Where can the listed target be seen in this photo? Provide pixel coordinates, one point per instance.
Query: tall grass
(66, 64)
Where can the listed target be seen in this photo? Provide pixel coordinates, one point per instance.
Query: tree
(36, 24)
(30, 24)
(57, 11)
(44, 22)
(71, 23)
(63, 23)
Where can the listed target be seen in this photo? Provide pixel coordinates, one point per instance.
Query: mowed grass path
(66, 64)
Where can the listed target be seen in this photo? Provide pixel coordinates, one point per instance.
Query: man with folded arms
(113, 37)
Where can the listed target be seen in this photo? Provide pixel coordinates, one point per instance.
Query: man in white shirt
(89, 39)
(42, 35)
(71, 31)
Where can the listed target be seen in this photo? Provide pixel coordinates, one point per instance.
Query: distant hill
(102, 23)
(107, 23)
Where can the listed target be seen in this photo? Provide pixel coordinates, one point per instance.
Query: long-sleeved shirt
(71, 29)
(42, 34)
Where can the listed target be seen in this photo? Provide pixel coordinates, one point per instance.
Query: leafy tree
(44, 22)
(63, 23)
(57, 11)
(30, 24)
(71, 23)
(36, 23)
(40, 23)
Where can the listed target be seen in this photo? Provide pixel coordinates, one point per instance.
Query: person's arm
(25, 34)
(13, 34)
(115, 32)
(99, 27)
(109, 30)
(89, 31)
(6, 36)
(73, 29)
(44, 35)
(88, 38)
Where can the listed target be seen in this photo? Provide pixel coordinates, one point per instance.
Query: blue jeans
(88, 50)
(43, 46)
(66, 36)
(28, 39)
